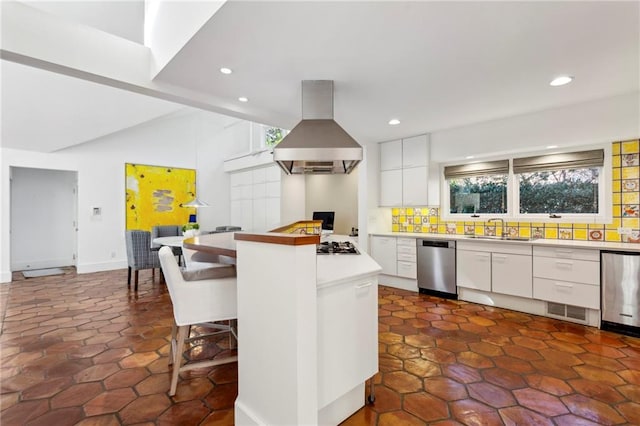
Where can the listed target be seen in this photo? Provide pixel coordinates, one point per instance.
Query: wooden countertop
(225, 243)
(222, 243)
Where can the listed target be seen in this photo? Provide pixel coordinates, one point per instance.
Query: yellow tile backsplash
(625, 199)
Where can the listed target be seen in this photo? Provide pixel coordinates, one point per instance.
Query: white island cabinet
(309, 328)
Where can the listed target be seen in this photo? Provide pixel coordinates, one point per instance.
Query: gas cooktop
(336, 247)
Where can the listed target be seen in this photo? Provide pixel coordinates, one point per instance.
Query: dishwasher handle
(437, 243)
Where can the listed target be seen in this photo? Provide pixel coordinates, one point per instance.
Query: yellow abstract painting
(155, 194)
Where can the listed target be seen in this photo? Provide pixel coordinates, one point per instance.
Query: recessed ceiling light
(561, 80)
(225, 70)
(551, 146)
(469, 157)
(394, 122)
(243, 99)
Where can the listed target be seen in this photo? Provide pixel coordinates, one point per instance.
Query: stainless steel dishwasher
(436, 263)
(620, 284)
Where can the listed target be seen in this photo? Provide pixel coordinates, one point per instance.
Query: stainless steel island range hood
(317, 145)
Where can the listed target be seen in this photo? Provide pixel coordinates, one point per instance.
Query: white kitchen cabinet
(273, 213)
(415, 151)
(347, 337)
(255, 198)
(414, 186)
(273, 189)
(567, 275)
(259, 217)
(511, 274)
(259, 175)
(404, 172)
(391, 155)
(259, 190)
(406, 258)
(495, 267)
(246, 214)
(384, 251)
(390, 188)
(473, 269)
(567, 292)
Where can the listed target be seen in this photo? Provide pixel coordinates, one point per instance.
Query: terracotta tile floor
(82, 349)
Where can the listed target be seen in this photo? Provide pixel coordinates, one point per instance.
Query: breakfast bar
(306, 322)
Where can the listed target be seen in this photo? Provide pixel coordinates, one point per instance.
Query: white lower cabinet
(495, 267)
(473, 269)
(511, 274)
(406, 256)
(347, 337)
(566, 292)
(567, 276)
(384, 251)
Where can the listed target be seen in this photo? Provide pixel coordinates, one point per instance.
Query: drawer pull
(359, 286)
(565, 265)
(564, 285)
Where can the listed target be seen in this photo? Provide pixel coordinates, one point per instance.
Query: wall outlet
(113, 254)
(624, 231)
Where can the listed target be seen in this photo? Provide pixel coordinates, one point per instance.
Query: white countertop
(336, 268)
(596, 245)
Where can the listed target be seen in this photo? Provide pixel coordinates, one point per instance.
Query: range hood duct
(317, 145)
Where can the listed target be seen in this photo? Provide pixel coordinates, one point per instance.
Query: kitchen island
(307, 329)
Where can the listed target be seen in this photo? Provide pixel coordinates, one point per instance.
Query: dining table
(171, 241)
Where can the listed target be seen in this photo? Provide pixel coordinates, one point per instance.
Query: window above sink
(561, 187)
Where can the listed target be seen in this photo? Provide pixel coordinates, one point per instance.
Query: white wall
(337, 193)
(605, 120)
(100, 166)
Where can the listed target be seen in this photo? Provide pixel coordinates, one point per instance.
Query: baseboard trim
(88, 268)
(5, 277)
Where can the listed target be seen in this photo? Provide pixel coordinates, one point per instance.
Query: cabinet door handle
(359, 286)
(499, 257)
(482, 256)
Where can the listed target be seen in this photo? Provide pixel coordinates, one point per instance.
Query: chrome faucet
(495, 219)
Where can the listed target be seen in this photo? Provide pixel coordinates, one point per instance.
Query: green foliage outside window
(273, 136)
(478, 194)
(561, 191)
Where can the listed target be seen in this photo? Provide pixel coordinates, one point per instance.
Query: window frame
(605, 184)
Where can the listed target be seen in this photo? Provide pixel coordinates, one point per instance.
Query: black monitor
(326, 218)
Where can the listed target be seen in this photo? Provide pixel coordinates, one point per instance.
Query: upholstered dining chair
(139, 254)
(203, 302)
(166, 231)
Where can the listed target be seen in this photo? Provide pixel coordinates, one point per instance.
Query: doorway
(43, 218)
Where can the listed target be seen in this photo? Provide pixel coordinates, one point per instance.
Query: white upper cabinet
(414, 186)
(415, 151)
(390, 187)
(391, 155)
(404, 172)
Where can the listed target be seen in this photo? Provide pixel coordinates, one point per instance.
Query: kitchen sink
(491, 237)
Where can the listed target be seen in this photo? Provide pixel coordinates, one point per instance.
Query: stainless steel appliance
(620, 283)
(336, 247)
(317, 144)
(436, 262)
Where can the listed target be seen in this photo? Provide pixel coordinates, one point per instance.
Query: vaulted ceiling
(432, 65)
